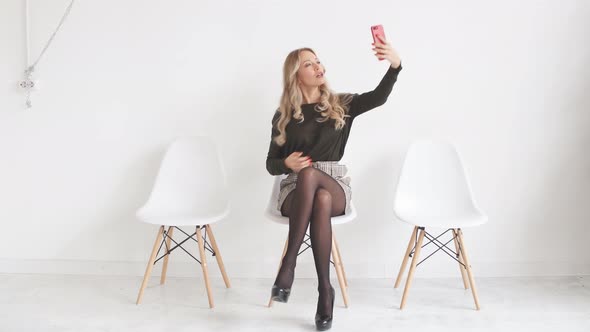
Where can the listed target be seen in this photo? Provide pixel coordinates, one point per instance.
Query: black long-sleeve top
(320, 140)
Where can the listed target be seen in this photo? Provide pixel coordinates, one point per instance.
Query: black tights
(316, 199)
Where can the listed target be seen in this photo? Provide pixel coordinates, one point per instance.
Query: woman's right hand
(296, 162)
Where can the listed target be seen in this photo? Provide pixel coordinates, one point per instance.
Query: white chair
(275, 215)
(190, 190)
(434, 192)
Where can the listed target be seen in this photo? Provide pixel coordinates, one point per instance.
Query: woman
(311, 128)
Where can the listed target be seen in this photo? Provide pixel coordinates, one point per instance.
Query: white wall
(506, 81)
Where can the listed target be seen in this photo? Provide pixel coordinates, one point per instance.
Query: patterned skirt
(332, 168)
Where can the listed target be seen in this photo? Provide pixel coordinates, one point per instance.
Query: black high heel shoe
(324, 322)
(280, 294)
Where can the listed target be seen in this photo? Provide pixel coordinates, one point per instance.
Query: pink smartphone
(377, 30)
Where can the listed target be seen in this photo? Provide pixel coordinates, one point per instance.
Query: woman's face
(311, 71)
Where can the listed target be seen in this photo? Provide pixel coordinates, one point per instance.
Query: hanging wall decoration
(28, 84)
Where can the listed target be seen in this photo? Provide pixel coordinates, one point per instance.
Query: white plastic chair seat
(170, 220)
(434, 190)
(275, 215)
(468, 219)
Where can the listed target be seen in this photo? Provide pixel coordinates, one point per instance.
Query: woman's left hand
(384, 50)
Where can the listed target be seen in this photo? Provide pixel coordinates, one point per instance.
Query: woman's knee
(322, 199)
(306, 176)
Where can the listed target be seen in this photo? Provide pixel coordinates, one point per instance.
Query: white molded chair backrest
(191, 181)
(433, 183)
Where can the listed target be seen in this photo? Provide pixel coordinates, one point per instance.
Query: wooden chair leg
(468, 267)
(402, 268)
(412, 267)
(339, 272)
(165, 265)
(218, 256)
(270, 302)
(204, 266)
(460, 258)
(150, 265)
(341, 263)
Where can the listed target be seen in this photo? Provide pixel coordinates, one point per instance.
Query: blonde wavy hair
(331, 105)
